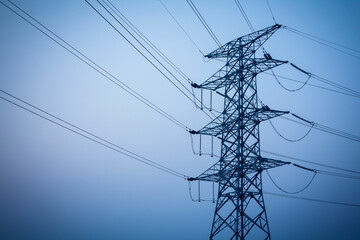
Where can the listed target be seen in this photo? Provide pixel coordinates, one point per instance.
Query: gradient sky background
(57, 185)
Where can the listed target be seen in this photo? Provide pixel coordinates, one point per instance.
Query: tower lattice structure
(240, 209)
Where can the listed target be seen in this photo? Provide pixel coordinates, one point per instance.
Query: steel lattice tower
(240, 209)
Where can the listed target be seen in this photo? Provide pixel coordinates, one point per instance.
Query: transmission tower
(240, 208)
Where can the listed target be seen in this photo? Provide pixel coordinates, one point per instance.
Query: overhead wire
(151, 45)
(338, 175)
(315, 172)
(313, 85)
(203, 21)
(326, 129)
(312, 199)
(310, 162)
(323, 42)
(272, 14)
(86, 134)
(294, 192)
(288, 89)
(343, 88)
(142, 54)
(75, 52)
(322, 39)
(145, 39)
(288, 139)
(138, 50)
(195, 99)
(182, 28)
(244, 15)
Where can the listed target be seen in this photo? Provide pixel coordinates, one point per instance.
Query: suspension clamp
(193, 132)
(194, 85)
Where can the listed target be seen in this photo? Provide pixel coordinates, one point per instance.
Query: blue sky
(57, 185)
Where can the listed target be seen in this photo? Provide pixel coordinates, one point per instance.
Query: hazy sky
(55, 184)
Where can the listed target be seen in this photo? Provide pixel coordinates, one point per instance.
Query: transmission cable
(346, 89)
(90, 136)
(313, 85)
(75, 52)
(334, 174)
(169, 62)
(151, 45)
(295, 192)
(288, 89)
(142, 54)
(291, 140)
(324, 128)
(321, 79)
(203, 21)
(181, 27)
(244, 15)
(323, 41)
(310, 162)
(272, 14)
(137, 49)
(145, 39)
(312, 199)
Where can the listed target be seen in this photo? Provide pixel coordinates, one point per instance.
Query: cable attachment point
(305, 168)
(301, 70)
(194, 85)
(191, 179)
(266, 108)
(268, 56)
(193, 132)
(311, 123)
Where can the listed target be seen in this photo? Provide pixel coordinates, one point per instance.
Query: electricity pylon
(240, 208)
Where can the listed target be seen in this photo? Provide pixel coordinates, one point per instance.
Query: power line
(318, 39)
(313, 85)
(312, 199)
(272, 14)
(138, 50)
(203, 21)
(145, 39)
(90, 136)
(338, 174)
(75, 52)
(181, 27)
(323, 42)
(244, 15)
(153, 47)
(142, 54)
(295, 192)
(314, 171)
(288, 89)
(322, 39)
(336, 85)
(288, 139)
(310, 162)
(326, 129)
